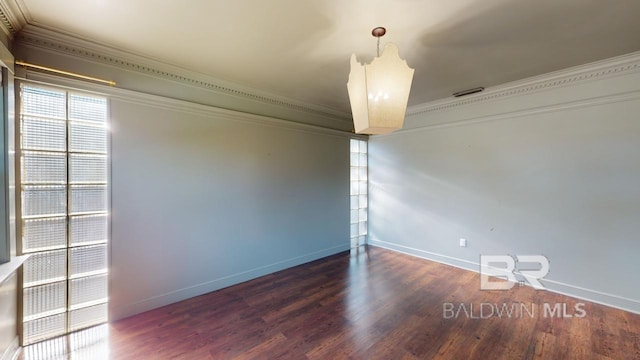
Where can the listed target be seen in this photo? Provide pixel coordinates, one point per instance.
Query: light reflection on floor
(358, 297)
(93, 343)
(89, 344)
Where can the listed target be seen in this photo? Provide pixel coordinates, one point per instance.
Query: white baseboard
(599, 297)
(443, 259)
(122, 311)
(594, 296)
(13, 351)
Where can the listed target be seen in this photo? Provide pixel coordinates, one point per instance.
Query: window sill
(9, 268)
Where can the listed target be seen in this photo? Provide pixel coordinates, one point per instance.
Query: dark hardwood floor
(372, 304)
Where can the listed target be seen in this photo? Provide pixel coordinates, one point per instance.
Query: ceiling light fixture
(379, 91)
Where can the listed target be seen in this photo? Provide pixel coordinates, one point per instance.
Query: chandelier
(378, 92)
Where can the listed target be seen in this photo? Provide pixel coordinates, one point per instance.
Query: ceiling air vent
(468, 92)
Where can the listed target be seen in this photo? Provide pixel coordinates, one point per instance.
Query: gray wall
(552, 172)
(202, 197)
(202, 200)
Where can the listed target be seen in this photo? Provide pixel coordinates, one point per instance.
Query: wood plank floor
(372, 304)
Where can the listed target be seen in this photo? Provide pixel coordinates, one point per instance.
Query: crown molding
(598, 70)
(13, 17)
(182, 106)
(73, 45)
(594, 101)
(6, 25)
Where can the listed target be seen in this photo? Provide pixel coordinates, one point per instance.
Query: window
(63, 204)
(358, 192)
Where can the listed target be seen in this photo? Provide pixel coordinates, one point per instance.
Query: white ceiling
(301, 48)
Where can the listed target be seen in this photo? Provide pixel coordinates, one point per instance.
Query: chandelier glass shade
(379, 91)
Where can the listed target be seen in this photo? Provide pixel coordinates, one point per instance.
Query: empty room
(296, 179)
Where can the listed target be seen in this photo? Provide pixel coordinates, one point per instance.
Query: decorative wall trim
(171, 104)
(616, 66)
(595, 101)
(578, 292)
(34, 36)
(6, 25)
(122, 311)
(12, 17)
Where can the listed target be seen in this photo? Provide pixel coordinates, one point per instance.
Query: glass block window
(64, 208)
(358, 192)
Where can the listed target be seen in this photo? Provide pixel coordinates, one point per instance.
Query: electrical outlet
(463, 242)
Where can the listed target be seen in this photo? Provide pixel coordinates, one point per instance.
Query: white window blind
(358, 193)
(64, 208)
